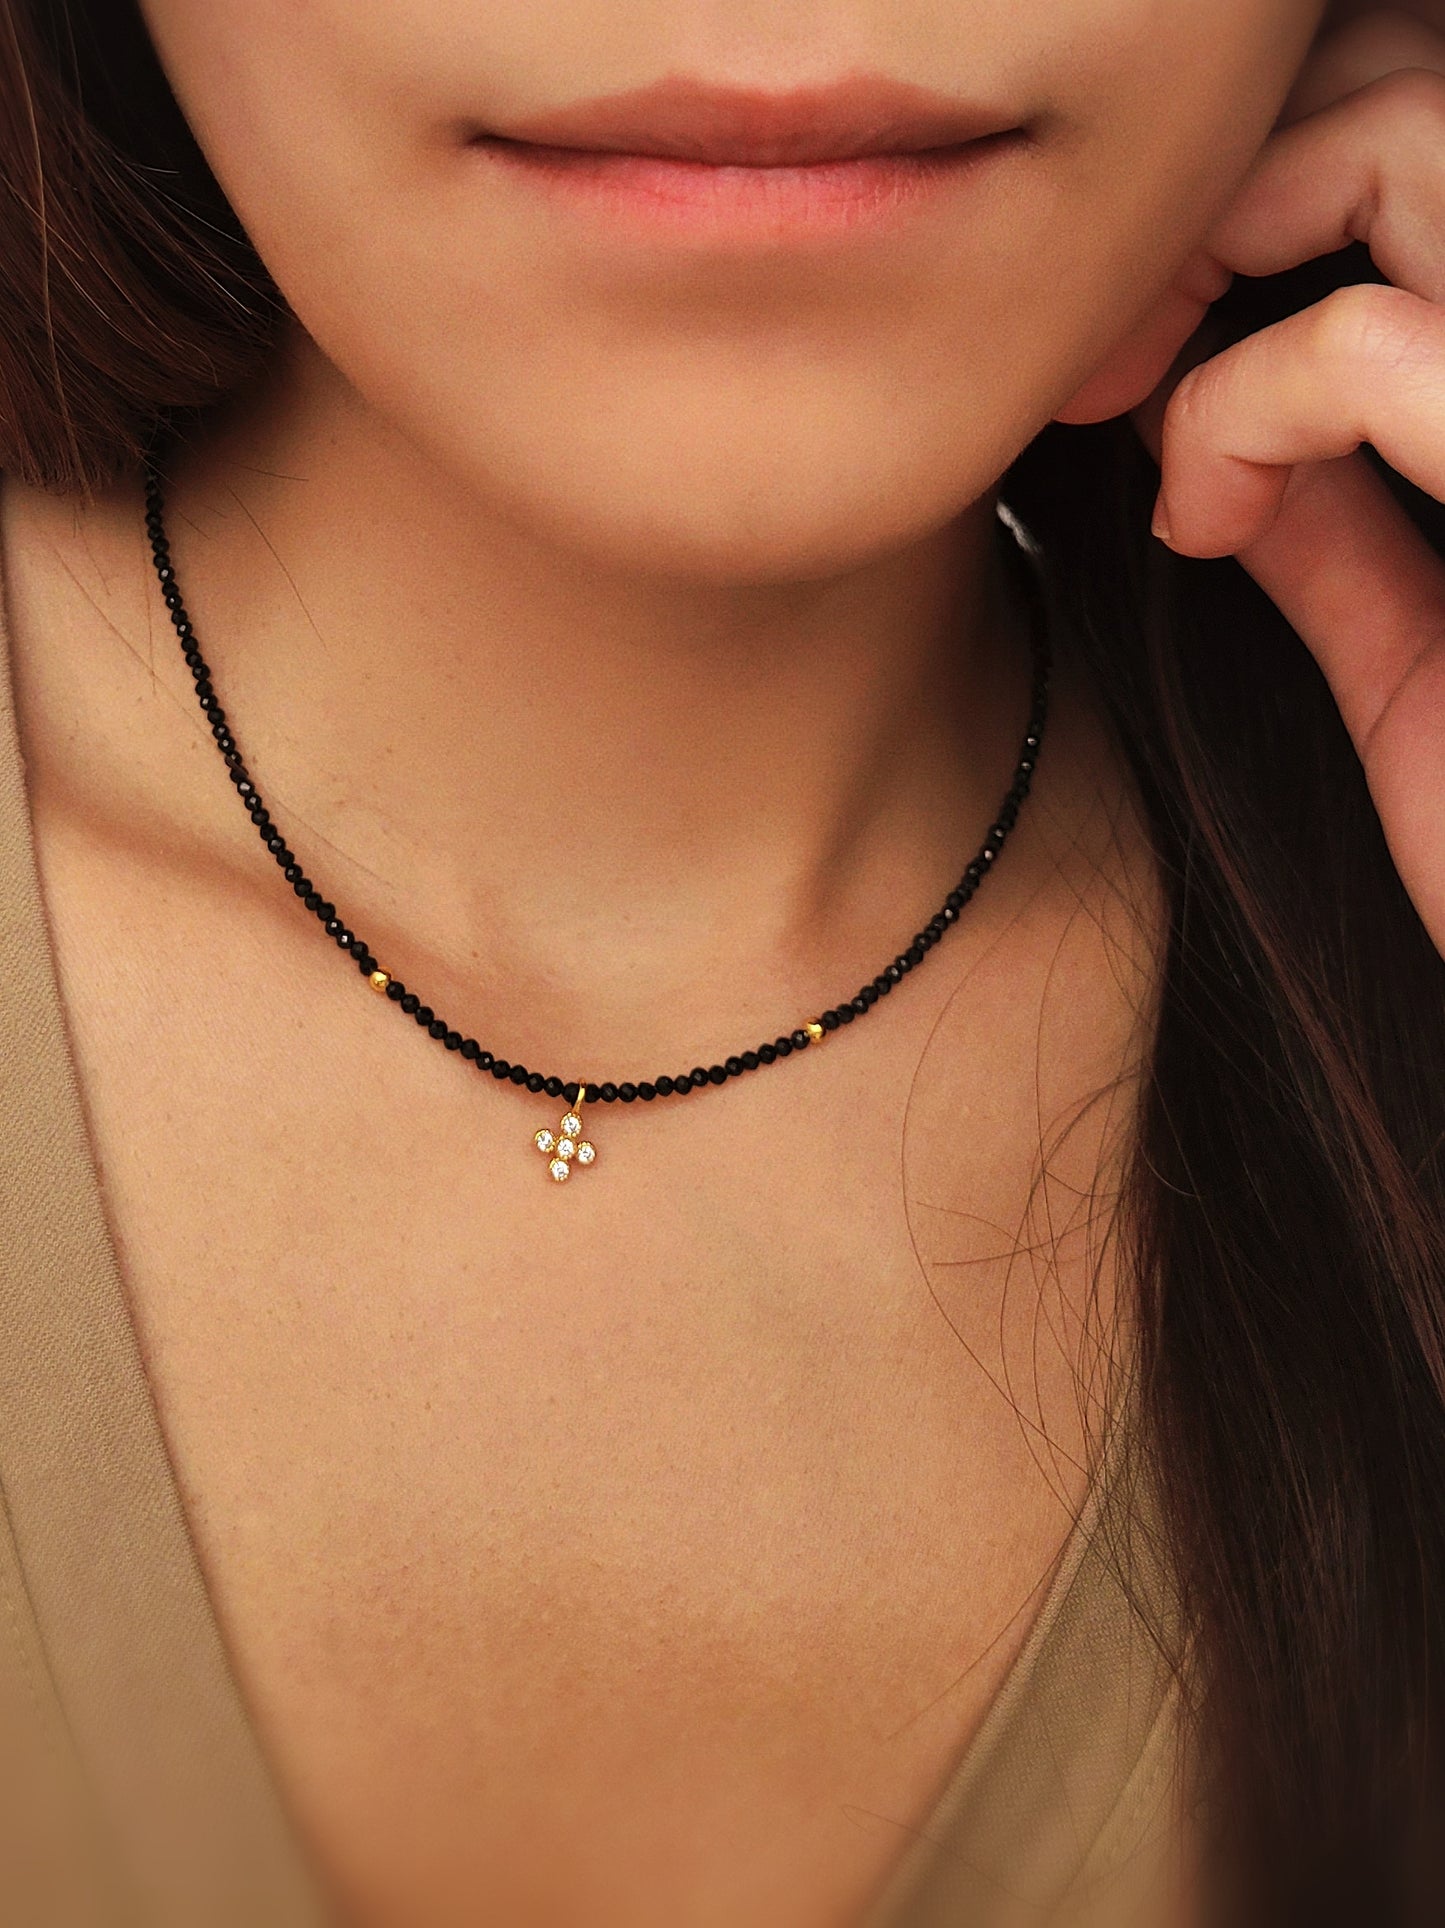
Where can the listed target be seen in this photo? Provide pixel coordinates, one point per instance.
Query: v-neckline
(131, 1636)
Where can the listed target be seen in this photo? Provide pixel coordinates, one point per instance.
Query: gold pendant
(566, 1146)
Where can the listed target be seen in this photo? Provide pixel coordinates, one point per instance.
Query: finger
(1367, 364)
(1358, 583)
(1370, 168)
(1366, 593)
(1384, 41)
(1364, 365)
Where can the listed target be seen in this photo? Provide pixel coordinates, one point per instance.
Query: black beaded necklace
(566, 1147)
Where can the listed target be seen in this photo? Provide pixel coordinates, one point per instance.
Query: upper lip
(682, 118)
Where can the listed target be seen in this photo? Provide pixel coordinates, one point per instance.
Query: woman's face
(738, 376)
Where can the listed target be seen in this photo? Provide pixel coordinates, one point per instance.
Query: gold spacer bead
(815, 1031)
(379, 981)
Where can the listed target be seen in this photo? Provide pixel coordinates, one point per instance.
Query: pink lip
(733, 162)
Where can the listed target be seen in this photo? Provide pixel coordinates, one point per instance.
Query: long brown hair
(1285, 1207)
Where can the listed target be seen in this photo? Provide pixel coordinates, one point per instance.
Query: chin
(759, 510)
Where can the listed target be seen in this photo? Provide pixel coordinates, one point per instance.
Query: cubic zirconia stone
(571, 1125)
(565, 1148)
(544, 1141)
(586, 1153)
(559, 1169)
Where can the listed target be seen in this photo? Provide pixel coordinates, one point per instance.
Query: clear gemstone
(565, 1148)
(586, 1153)
(571, 1125)
(544, 1141)
(559, 1169)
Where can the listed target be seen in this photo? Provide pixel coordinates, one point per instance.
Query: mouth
(733, 160)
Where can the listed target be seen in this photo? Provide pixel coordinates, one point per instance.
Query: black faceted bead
(783, 1047)
(664, 1087)
(500, 1068)
(607, 1093)
(858, 1005)
(519, 1074)
(303, 889)
(424, 1014)
(882, 984)
(627, 1092)
(830, 1020)
(646, 1091)
(717, 1075)
(750, 1061)
(485, 1061)
(437, 1028)
(292, 872)
(553, 1087)
(411, 1003)
(395, 990)
(766, 1054)
(699, 1076)
(683, 1084)
(471, 1050)
(733, 1067)
(535, 1081)
(846, 1014)
(452, 1040)
(801, 1040)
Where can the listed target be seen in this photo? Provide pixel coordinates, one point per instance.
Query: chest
(644, 1549)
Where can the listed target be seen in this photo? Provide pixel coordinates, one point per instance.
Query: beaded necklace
(565, 1148)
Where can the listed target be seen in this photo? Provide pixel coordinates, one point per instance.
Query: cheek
(740, 418)
(1181, 99)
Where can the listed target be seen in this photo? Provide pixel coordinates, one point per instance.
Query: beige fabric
(133, 1789)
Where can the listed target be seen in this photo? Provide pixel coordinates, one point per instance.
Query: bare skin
(643, 1551)
(643, 1561)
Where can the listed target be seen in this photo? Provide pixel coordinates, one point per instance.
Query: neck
(502, 750)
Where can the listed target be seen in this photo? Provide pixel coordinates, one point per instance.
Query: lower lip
(718, 201)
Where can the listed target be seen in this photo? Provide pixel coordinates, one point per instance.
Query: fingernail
(1160, 524)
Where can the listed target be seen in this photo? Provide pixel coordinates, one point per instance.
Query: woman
(976, 1465)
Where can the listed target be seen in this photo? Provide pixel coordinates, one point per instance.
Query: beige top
(133, 1786)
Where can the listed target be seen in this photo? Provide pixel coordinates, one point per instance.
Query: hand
(1260, 445)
